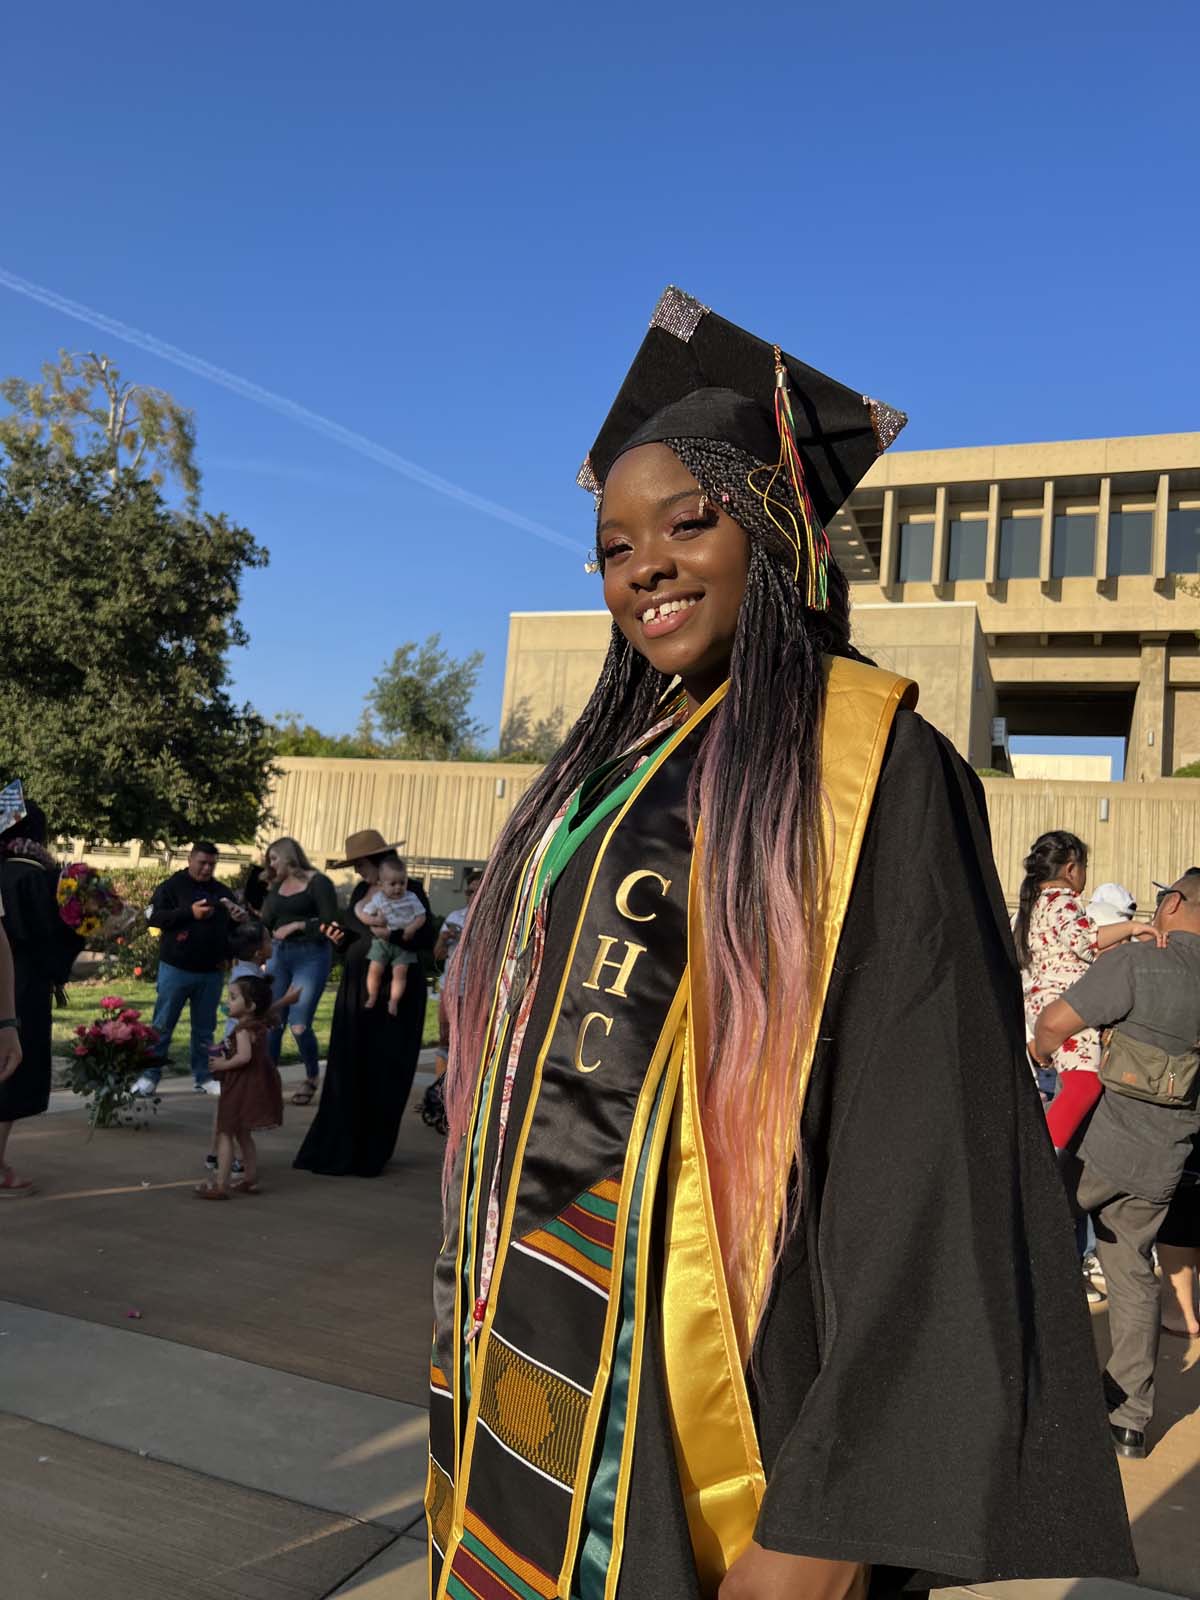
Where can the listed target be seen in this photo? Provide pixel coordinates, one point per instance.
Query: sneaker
(145, 1085)
(210, 1161)
(209, 1086)
(238, 1168)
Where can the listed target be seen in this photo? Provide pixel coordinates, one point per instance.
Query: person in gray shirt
(1134, 1151)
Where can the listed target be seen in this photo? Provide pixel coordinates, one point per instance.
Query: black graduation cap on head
(697, 376)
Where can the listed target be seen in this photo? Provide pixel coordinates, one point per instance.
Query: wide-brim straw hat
(368, 842)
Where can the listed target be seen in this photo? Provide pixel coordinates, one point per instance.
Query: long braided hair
(762, 862)
(1051, 854)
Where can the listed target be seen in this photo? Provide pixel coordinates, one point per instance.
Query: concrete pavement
(257, 1432)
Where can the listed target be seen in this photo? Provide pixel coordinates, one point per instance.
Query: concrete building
(1041, 587)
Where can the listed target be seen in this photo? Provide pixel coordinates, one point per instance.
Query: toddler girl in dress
(251, 1092)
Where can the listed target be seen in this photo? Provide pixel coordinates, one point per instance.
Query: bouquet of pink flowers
(109, 1054)
(86, 899)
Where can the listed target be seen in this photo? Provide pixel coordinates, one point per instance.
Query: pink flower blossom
(82, 1050)
(130, 1014)
(72, 913)
(81, 1030)
(112, 1002)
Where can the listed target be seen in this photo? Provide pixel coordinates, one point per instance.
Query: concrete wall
(1152, 831)
(443, 810)
(942, 649)
(554, 659)
(1185, 726)
(1075, 769)
(454, 810)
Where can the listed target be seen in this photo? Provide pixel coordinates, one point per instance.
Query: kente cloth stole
(532, 1423)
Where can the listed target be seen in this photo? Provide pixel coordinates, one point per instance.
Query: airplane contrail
(285, 408)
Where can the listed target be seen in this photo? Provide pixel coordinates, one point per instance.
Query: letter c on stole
(624, 891)
(592, 1016)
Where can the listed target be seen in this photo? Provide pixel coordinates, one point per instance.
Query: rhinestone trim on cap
(587, 479)
(886, 422)
(678, 313)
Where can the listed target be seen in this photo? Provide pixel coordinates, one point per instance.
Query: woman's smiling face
(674, 568)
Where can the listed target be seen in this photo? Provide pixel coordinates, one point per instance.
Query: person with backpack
(1146, 995)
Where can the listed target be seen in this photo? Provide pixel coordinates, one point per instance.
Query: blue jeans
(201, 993)
(302, 964)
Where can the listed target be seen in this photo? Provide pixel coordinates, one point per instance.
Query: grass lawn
(83, 1000)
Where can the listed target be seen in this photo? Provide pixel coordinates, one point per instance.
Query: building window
(967, 556)
(916, 553)
(1020, 554)
(1183, 540)
(1130, 534)
(1073, 552)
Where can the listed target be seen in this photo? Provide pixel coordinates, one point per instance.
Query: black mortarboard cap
(697, 376)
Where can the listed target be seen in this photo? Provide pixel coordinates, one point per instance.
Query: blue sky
(446, 233)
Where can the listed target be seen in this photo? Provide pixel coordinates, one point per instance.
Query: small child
(250, 948)
(251, 1090)
(393, 906)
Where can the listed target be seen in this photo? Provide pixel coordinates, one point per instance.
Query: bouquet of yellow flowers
(86, 899)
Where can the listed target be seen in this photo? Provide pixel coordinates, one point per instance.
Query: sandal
(303, 1096)
(14, 1188)
(210, 1191)
(244, 1188)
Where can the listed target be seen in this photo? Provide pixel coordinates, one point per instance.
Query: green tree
(116, 619)
(421, 703)
(294, 737)
(83, 407)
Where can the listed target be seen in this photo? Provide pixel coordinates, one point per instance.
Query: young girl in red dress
(251, 1091)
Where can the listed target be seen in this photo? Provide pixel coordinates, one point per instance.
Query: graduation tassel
(816, 541)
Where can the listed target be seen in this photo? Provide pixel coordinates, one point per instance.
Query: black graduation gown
(371, 1063)
(925, 1385)
(44, 951)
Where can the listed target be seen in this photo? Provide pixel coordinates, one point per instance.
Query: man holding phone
(192, 912)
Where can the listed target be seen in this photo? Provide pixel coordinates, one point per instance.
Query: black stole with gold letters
(524, 1468)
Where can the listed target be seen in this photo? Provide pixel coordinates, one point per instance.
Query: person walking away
(372, 1055)
(1056, 942)
(1179, 1253)
(1141, 1133)
(43, 952)
(299, 902)
(10, 1038)
(251, 1092)
(10, 1052)
(194, 914)
(393, 908)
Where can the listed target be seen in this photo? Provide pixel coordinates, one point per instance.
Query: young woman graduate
(758, 1277)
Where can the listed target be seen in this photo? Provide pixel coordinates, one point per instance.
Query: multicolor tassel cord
(807, 538)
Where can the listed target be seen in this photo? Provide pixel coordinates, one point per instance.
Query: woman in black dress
(44, 951)
(372, 1055)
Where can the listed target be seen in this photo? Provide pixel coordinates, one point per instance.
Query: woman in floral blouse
(1056, 942)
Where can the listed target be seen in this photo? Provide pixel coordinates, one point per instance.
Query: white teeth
(667, 609)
